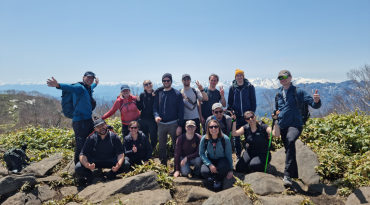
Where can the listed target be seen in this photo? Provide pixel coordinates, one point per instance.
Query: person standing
(126, 103)
(168, 111)
(192, 98)
(223, 119)
(242, 98)
(83, 104)
(290, 119)
(214, 96)
(145, 103)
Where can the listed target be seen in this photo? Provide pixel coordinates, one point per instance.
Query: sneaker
(217, 185)
(287, 181)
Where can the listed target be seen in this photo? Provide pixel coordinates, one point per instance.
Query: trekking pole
(268, 150)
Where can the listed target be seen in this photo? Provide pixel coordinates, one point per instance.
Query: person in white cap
(223, 119)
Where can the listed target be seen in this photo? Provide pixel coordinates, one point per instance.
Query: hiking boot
(287, 181)
(217, 185)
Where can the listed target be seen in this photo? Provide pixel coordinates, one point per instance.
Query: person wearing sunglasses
(257, 135)
(145, 104)
(126, 103)
(192, 100)
(289, 101)
(223, 119)
(242, 98)
(168, 111)
(137, 146)
(215, 151)
(187, 151)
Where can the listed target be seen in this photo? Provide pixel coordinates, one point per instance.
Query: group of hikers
(149, 118)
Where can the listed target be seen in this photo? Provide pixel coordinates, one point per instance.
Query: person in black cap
(102, 149)
(168, 111)
(83, 104)
(192, 100)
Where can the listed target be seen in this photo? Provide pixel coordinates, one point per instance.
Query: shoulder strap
(196, 95)
(182, 139)
(224, 122)
(223, 142)
(206, 144)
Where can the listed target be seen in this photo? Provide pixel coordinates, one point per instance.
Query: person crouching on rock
(137, 146)
(102, 149)
(215, 151)
(257, 135)
(187, 151)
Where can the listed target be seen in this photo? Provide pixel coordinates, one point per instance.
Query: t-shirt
(256, 140)
(213, 97)
(188, 149)
(191, 114)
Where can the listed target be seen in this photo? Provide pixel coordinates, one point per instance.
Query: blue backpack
(67, 104)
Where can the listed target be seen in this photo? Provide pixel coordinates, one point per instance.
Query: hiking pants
(163, 130)
(82, 130)
(255, 161)
(197, 163)
(240, 122)
(125, 131)
(197, 123)
(150, 128)
(289, 135)
(132, 160)
(82, 171)
(222, 166)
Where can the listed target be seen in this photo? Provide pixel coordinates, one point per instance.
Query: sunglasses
(166, 81)
(248, 118)
(146, 84)
(186, 79)
(216, 112)
(134, 128)
(283, 77)
(213, 127)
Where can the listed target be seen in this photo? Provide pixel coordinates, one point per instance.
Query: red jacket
(129, 111)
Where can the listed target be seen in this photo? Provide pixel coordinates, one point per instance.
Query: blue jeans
(197, 163)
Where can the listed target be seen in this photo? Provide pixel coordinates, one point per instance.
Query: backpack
(96, 138)
(302, 107)
(187, 99)
(126, 104)
(223, 142)
(67, 103)
(15, 159)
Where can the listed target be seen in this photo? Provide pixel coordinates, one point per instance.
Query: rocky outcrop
(186, 181)
(39, 169)
(70, 168)
(49, 179)
(15, 182)
(198, 193)
(281, 200)
(233, 196)
(154, 197)
(70, 190)
(264, 184)
(359, 196)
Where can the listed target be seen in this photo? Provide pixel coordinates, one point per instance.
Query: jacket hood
(246, 83)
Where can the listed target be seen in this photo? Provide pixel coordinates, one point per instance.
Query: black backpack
(302, 107)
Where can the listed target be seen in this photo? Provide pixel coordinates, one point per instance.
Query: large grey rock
(360, 196)
(22, 198)
(231, 196)
(228, 183)
(323, 189)
(101, 191)
(49, 179)
(153, 197)
(307, 160)
(70, 190)
(15, 182)
(3, 172)
(198, 193)
(280, 200)
(70, 168)
(44, 193)
(264, 184)
(39, 169)
(186, 181)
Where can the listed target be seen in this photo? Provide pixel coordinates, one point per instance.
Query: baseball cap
(89, 73)
(216, 105)
(284, 73)
(125, 87)
(190, 122)
(98, 122)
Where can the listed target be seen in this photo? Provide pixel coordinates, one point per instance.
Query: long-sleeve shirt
(169, 106)
(129, 111)
(242, 98)
(188, 149)
(144, 149)
(145, 105)
(207, 152)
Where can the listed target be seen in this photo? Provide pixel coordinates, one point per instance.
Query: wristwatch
(202, 90)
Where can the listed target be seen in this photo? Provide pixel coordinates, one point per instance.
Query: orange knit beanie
(239, 72)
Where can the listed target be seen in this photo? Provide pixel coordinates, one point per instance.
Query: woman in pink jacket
(126, 103)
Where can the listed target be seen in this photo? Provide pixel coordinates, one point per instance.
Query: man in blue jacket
(168, 111)
(82, 122)
(290, 119)
(242, 98)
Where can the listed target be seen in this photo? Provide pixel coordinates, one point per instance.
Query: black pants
(222, 165)
(150, 129)
(254, 160)
(82, 130)
(289, 136)
(197, 123)
(125, 131)
(133, 161)
(240, 122)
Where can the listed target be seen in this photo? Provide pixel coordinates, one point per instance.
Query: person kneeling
(102, 149)
(137, 145)
(187, 151)
(215, 151)
(257, 136)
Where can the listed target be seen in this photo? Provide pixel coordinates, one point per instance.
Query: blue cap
(89, 73)
(124, 87)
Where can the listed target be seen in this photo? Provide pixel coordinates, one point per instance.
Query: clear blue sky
(136, 40)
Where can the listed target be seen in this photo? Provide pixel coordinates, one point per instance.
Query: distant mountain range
(110, 90)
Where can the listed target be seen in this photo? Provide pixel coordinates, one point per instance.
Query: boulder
(70, 168)
(307, 160)
(234, 195)
(49, 179)
(323, 189)
(3, 172)
(153, 197)
(70, 190)
(22, 198)
(39, 169)
(101, 191)
(359, 196)
(44, 193)
(15, 182)
(187, 181)
(198, 193)
(280, 200)
(264, 184)
(228, 183)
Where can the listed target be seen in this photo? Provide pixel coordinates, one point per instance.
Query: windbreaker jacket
(242, 100)
(170, 106)
(129, 111)
(144, 149)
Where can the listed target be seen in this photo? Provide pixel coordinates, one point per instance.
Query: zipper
(241, 102)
